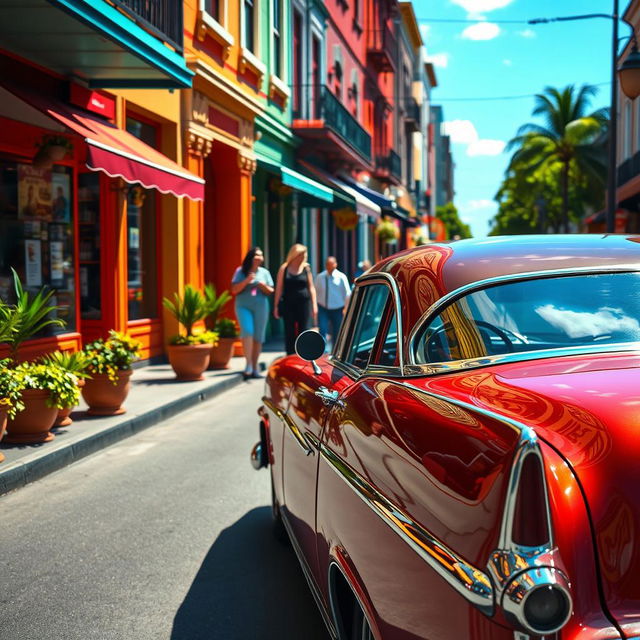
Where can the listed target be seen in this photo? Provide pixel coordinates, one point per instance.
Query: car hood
(588, 409)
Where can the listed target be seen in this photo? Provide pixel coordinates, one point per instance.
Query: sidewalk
(155, 396)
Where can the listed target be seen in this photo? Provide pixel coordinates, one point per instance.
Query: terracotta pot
(3, 425)
(221, 354)
(33, 423)
(64, 419)
(189, 360)
(105, 398)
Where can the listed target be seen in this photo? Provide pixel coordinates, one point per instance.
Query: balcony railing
(382, 48)
(162, 18)
(337, 117)
(391, 163)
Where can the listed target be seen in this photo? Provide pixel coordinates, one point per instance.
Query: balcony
(382, 49)
(412, 114)
(389, 165)
(118, 44)
(333, 130)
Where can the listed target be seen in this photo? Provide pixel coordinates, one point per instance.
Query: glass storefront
(36, 234)
(89, 245)
(142, 274)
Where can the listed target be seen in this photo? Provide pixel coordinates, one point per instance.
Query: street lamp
(629, 74)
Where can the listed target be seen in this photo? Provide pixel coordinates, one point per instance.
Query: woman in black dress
(295, 296)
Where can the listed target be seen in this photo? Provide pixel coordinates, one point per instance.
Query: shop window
(142, 270)
(89, 245)
(36, 235)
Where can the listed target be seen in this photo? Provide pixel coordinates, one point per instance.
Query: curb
(41, 464)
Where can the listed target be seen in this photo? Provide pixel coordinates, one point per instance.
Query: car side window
(388, 352)
(367, 323)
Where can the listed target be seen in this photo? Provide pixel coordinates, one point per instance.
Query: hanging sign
(346, 219)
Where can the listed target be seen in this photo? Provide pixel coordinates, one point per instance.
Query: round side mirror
(310, 345)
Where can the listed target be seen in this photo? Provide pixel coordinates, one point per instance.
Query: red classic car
(466, 462)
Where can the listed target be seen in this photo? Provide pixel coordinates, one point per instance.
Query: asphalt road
(165, 535)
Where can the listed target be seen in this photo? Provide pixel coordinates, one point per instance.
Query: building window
(36, 235)
(212, 7)
(142, 273)
(248, 35)
(316, 54)
(297, 64)
(89, 246)
(277, 37)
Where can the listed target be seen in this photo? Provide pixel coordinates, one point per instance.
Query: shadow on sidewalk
(249, 586)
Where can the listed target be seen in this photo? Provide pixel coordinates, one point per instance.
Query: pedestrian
(252, 285)
(295, 296)
(333, 291)
(363, 267)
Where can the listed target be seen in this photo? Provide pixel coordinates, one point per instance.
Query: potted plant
(221, 353)
(109, 373)
(215, 304)
(189, 354)
(44, 388)
(75, 362)
(51, 148)
(10, 395)
(387, 231)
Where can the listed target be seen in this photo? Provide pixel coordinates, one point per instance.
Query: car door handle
(328, 397)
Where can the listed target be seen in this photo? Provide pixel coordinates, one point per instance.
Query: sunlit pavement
(164, 535)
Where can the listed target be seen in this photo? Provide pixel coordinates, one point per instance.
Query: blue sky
(490, 60)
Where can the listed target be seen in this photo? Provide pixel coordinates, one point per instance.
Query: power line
(488, 98)
(472, 20)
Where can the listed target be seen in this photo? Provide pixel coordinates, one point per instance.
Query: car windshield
(533, 315)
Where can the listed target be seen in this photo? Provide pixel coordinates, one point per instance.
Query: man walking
(332, 291)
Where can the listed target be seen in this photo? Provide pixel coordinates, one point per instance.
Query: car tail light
(530, 521)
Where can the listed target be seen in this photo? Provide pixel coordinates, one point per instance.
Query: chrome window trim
(379, 277)
(298, 436)
(437, 307)
(470, 582)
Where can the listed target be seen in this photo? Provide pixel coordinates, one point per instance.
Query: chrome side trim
(326, 616)
(298, 436)
(471, 583)
(421, 370)
(442, 302)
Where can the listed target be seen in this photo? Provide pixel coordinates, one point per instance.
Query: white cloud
(507, 63)
(481, 31)
(460, 131)
(486, 148)
(439, 60)
(581, 324)
(527, 33)
(425, 30)
(474, 205)
(479, 6)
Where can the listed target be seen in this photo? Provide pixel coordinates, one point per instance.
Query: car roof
(425, 274)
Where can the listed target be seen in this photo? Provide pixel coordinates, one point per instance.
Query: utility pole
(612, 186)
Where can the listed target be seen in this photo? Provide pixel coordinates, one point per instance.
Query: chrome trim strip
(472, 583)
(310, 580)
(298, 436)
(379, 277)
(437, 306)
(421, 370)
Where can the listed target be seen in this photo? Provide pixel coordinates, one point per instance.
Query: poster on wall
(34, 192)
(33, 263)
(61, 197)
(56, 253)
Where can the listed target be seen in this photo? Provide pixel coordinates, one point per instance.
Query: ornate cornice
(198, 144)
(247, 163)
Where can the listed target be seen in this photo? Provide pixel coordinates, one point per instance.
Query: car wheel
(360, 629)
(279, 531)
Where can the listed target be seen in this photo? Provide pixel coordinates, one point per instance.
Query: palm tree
(569, 136)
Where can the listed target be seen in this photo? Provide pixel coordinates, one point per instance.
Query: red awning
(118, 153)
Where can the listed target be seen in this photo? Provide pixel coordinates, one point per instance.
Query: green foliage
(8, 321)
(10, 389)
(31, 315)
(62, 385)
(205, 337)
(54, 141)
(75, 362)
(456, 229)
(110, 356)
(215, 303)
(188, 309)
(227, 328)
(387, 231)
(558, 168)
